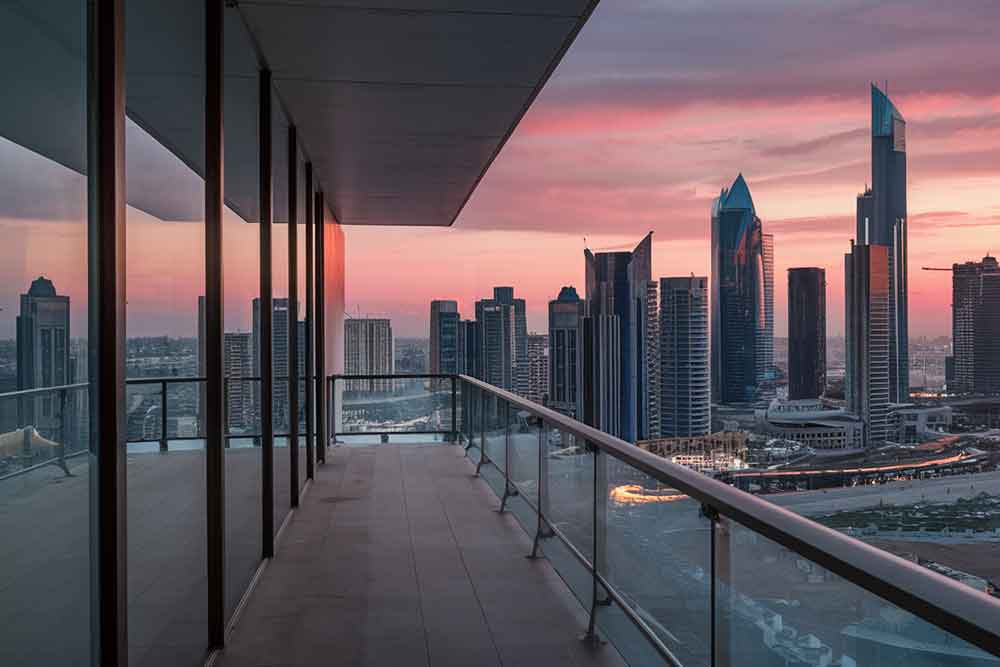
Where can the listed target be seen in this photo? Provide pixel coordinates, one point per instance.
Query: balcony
(455, 523)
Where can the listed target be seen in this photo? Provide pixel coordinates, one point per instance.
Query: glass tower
(806, 332)
(685, 401)
(742, 297)
(887, 227)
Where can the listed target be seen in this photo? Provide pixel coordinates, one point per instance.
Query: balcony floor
(399, 557)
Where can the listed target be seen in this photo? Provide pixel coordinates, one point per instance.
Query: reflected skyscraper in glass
(742, 297)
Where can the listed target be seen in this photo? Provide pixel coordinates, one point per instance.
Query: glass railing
(677, 568)
(366, 409)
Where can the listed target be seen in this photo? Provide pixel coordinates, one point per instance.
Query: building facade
(368, 350)
(565, 319)
(279, 359)
(443, 342)
(806, 333)
(811, 423)
(617, 286)
(538, 367)
(468, 345)
(685, 380)
(742, 323)
(975, 326)
(866, 301)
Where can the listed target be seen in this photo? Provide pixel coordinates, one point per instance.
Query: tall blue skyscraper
(618, 287)
(742, 297)
(886, 226)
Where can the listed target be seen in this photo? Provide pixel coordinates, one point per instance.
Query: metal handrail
(967, 614)
(21, 393)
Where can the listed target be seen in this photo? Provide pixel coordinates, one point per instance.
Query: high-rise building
(279, 360)
(685, 380)
(503, 328)
(649, 420)
(368, 350)
(443, 342)
(538, 367)
(975, 317)
(742, 323)
(599, 401)
(886, 225)
(43, 356)
(496, 343)
(765, 343)
(468, 348)
(866, 301)
(617, 293)
(237, 359)
(565, 315)
(806, 333)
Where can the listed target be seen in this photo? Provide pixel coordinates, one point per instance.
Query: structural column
(214, 371)
(293, 315)
(266, 370)
(106, 329)
(309, 337)
(321, 398)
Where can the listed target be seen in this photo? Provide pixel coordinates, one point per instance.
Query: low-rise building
(914, 424)
(812, 423)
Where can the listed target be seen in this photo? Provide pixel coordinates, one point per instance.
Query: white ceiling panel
(402, 106)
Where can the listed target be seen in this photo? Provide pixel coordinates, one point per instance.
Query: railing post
(543, 492)
(482, 432)
(63, 430)
(331, 408)
(508, 490)
(591, 637)
(163, 416)
(454, 412)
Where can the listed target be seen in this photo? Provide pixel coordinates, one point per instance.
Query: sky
(655, 108)
(659, 105)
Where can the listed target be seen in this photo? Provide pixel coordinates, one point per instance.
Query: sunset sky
(656, 107)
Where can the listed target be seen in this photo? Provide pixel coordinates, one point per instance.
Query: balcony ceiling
(402, 105)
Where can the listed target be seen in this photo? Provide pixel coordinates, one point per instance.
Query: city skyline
(650, 156)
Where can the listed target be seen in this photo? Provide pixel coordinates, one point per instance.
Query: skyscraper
(975, 320)
(617, 293)
(866, 301)
(368, 350)
(468, 344)
(565, 315)
(496, 343)
(538, 367)
(503, 329)
(43, 355)
(238, 362)
(685, 381)
(806, 332)
(886, 225)
(443, 342)
(742, 297)
(649, 420)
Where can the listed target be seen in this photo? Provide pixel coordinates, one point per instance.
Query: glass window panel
(280, 322)
(45, 465)
(777, 607)
(165, 262)
(300, 328)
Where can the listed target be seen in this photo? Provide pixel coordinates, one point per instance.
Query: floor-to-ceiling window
(241, 248)
(45, 466)
(166, 322)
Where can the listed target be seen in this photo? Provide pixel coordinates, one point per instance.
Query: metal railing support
(543, 493)
(509, 491)
(164, 446)
(454, 411)
(482, 434)
(591, 637)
